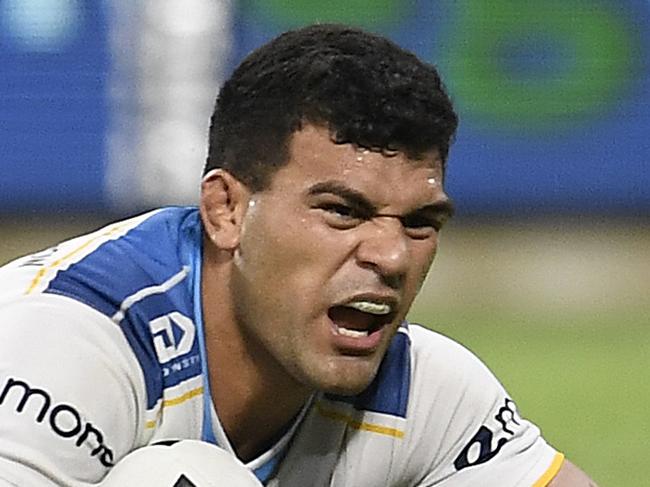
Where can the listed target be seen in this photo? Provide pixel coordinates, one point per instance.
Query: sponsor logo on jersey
(64, 420)
(173, 335)
(491, 437)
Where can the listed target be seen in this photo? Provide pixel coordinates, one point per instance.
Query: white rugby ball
(181, 463)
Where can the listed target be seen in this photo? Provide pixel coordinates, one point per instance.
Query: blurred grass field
(559, 311)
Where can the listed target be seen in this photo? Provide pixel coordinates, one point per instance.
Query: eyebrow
(338, 188)
(443, 206)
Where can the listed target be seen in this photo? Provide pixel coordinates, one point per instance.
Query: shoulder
(91, 333)
(111, 254)
(451, 388)
(130, 272)
(62, 340)
(70, 388)
(462, 421)
(137, 274)
(439, 361)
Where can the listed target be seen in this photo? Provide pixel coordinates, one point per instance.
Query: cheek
(300, 242)
(280, 259)
(266, 244)
(422, 261)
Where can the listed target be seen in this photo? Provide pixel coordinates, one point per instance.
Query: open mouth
(360, 318)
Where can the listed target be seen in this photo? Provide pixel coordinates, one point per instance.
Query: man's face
(332, 255)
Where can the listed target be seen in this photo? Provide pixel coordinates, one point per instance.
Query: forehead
(385, 178)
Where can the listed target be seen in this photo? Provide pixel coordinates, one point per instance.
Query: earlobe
(223, 205)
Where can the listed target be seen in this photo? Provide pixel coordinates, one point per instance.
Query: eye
(338, 209)
(421, 226)
(340, 215)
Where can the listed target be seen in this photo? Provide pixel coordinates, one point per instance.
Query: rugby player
(270, 320)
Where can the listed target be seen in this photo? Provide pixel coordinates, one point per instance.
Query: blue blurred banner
(54, 59)
(554, 96)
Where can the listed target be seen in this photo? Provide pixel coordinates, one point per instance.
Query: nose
(385, 249)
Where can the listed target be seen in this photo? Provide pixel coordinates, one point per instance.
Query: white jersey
(101, 352)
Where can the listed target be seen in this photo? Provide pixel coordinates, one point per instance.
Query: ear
(224, 200)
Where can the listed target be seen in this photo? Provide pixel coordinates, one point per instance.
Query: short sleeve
(70, 393)
(465, 430)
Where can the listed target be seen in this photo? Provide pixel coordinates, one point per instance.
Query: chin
(346, 389)
(346, 382)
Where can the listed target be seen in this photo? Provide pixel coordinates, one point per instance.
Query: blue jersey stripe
(146, 256)
(389, 391)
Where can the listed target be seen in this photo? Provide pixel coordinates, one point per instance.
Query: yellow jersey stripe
(551, 471)
(183, 397)
(175, 402)
(356, 424)
(41, 273)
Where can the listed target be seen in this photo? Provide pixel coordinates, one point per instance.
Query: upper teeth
(370, 307)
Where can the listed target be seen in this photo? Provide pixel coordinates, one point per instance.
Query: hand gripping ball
(182, 463)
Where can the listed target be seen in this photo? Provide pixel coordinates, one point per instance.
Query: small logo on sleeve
(173, 335)
(491, 437)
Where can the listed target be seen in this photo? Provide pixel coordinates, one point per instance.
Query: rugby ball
(180, 463)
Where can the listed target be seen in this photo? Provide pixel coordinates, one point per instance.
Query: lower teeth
(351, 333)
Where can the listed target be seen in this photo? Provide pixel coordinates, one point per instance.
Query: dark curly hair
(364, 88)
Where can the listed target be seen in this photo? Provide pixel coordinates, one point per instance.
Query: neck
(255, 398)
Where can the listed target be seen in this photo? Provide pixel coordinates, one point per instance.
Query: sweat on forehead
(315, 139)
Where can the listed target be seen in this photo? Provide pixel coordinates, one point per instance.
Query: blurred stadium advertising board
(105, 105)
(54, 105)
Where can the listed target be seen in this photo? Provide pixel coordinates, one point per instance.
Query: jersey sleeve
(466, 429)
(70, 393)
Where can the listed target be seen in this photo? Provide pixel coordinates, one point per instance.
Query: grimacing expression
(332, 255)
